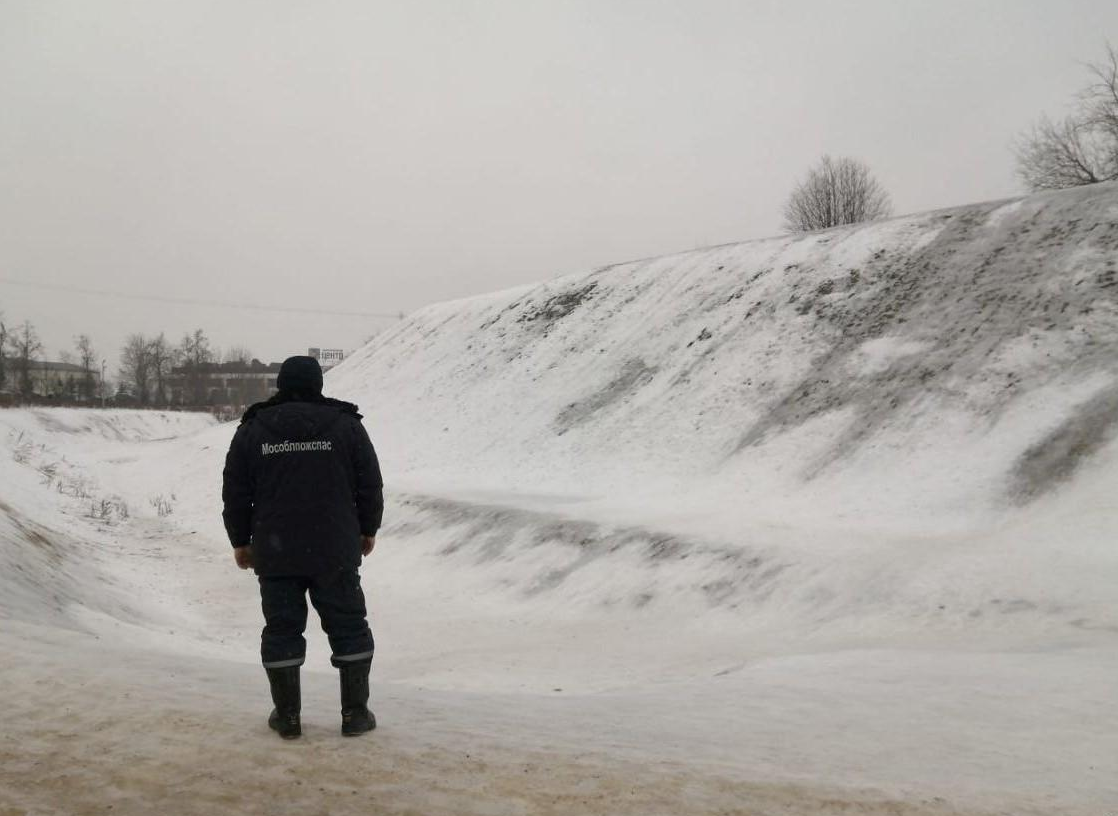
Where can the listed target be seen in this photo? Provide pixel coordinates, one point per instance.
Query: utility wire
(55, 287)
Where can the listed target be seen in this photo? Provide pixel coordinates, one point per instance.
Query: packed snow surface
(816, 524)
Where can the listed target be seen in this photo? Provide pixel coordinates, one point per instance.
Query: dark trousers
(340, 604)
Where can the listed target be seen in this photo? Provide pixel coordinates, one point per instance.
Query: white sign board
(326, 357)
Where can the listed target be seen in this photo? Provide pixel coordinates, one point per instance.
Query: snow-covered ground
(808, 525)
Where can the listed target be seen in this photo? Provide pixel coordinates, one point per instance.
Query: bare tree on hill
(836, 191)
(1082, 148)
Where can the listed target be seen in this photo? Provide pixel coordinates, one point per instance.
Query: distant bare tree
(836, 191)
(1082, 148)
(194, 354)
(26, 348)
(135, 368)
(162, 358)
(87, 358)
(237, 354)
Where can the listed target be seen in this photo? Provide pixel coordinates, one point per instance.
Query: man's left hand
(243, 556)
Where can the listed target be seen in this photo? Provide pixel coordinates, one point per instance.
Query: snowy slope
(963, 358)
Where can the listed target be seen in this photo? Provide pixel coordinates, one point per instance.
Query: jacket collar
(281, 397)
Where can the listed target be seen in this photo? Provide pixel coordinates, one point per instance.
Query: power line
(78, 290)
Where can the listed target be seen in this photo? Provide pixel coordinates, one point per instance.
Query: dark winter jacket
(302, 484)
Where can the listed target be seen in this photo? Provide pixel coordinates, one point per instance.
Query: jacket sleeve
(237, 490)
(369, 487)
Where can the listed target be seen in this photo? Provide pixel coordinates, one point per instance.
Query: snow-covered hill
(942, 365)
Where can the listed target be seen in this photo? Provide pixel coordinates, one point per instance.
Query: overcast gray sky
(376, 156)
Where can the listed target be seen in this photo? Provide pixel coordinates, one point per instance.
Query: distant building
(232, 386)
(54, 380)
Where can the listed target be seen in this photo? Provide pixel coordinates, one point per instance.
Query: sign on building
(326, 357)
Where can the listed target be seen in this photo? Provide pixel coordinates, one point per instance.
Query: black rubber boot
(284, 718)
(356, 717)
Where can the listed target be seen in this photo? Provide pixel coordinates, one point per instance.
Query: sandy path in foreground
(91, 728)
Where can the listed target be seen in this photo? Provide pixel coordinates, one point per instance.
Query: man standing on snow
(303, 502)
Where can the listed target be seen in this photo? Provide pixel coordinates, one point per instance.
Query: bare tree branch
(1083, 147)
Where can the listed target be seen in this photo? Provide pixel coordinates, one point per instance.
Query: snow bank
(60, 519)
